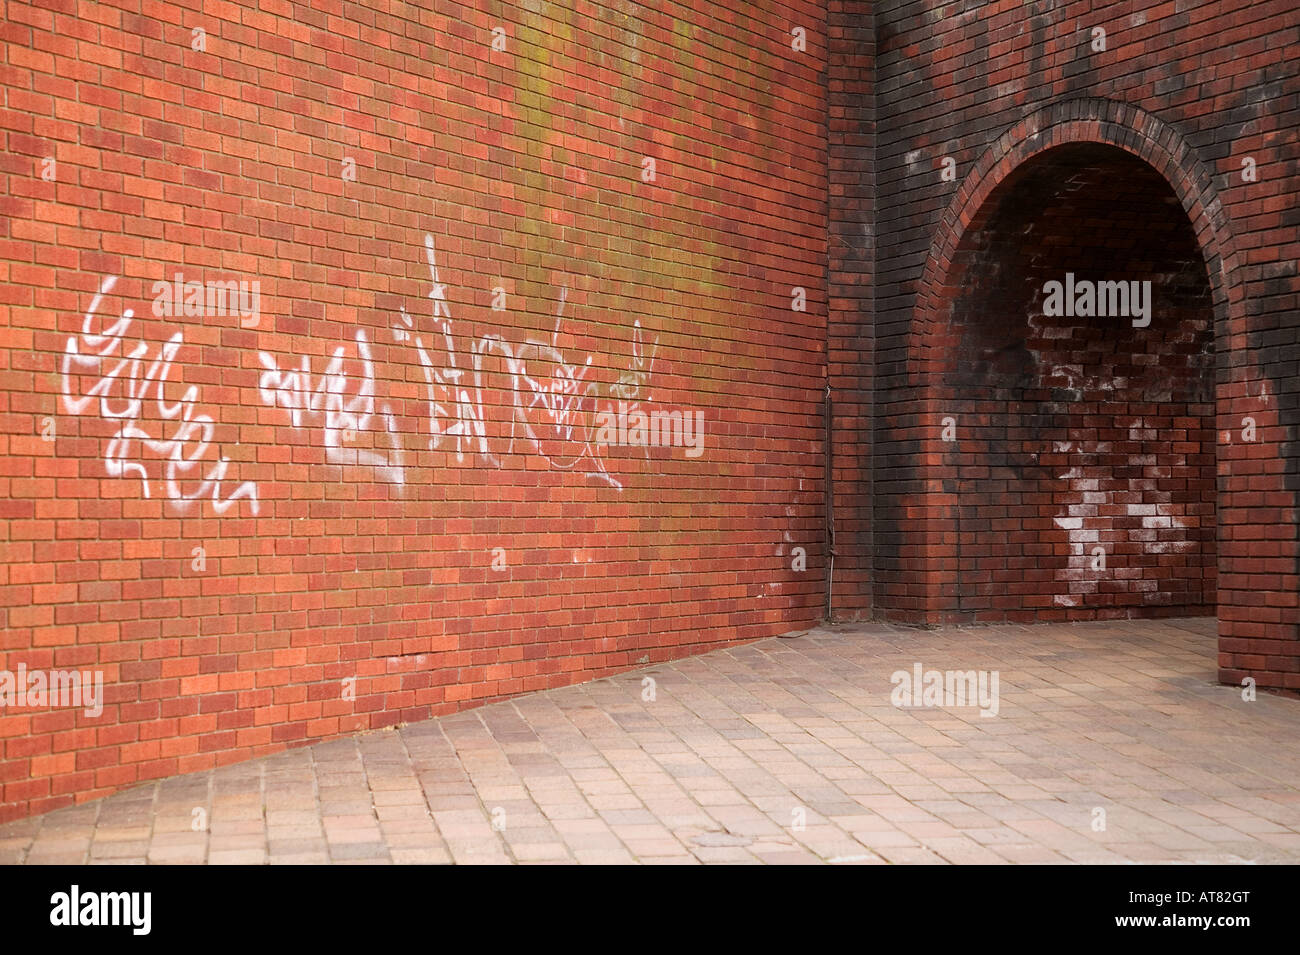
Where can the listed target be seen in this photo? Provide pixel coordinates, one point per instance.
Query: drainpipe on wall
(830, 505)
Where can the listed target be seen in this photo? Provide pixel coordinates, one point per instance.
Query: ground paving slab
(1111, 743)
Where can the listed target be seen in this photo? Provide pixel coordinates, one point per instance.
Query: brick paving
(782, 751)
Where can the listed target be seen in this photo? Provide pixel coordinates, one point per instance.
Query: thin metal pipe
(830, 506)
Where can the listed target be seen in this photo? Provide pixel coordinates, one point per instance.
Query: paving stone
(780, 752)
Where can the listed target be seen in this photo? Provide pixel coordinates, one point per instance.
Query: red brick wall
(851, 253)
(1202, 92)
(379, 499)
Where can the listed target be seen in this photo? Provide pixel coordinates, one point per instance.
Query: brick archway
(931, 551)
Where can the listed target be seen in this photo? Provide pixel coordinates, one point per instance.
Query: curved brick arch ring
(1091, 120)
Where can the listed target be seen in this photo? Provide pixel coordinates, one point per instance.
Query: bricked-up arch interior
(1084, 446)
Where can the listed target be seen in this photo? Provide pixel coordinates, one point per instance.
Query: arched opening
(1074, 378)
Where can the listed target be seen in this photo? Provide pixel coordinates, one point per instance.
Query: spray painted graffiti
(486, 401)
(190, 467)
(550, 405)
(340, 403)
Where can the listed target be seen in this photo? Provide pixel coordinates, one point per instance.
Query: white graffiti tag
(126, 382)
(341, 405)
(551, 403)
(491, 399)
(629, 384)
